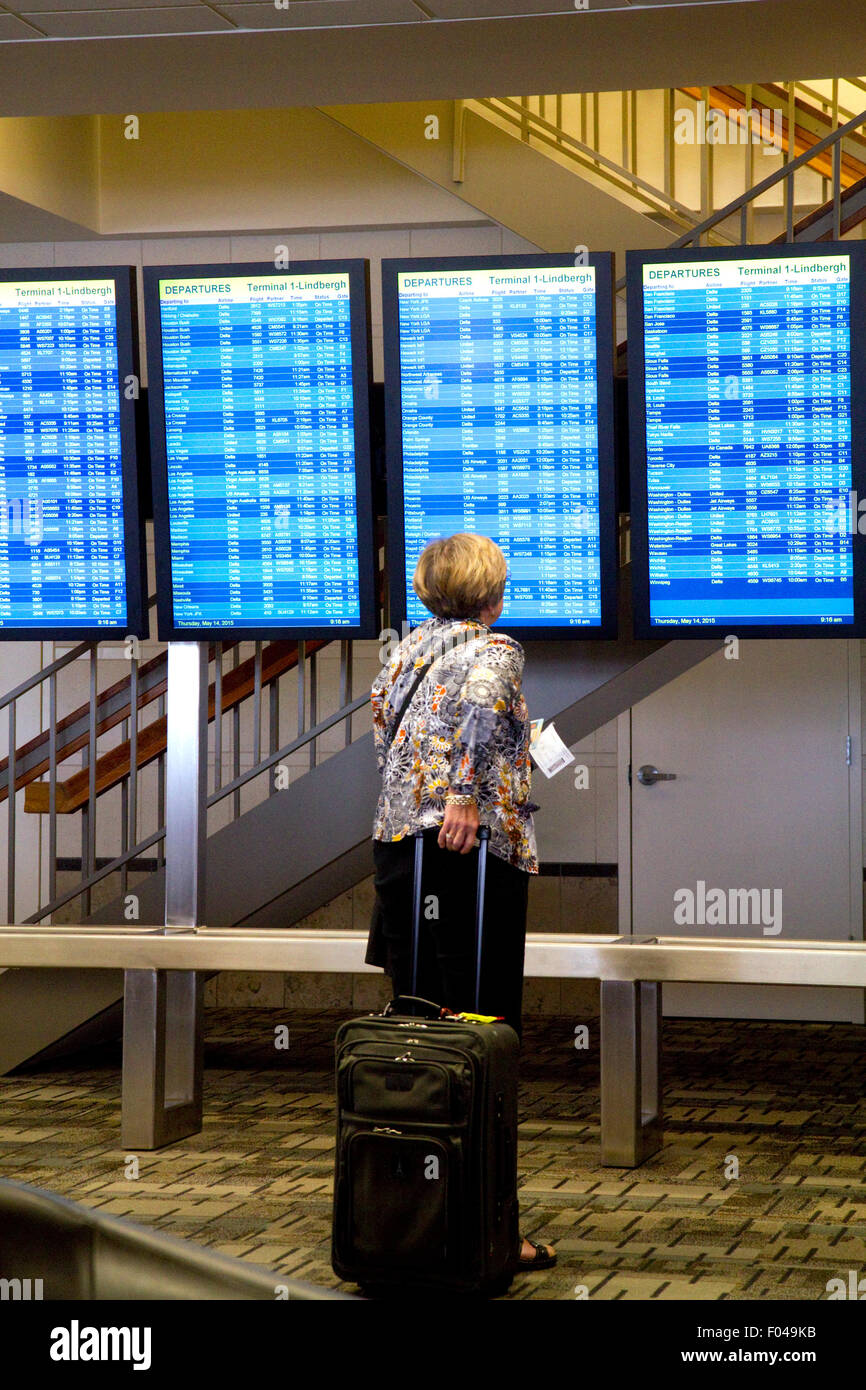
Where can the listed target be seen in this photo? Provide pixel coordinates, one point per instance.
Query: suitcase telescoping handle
(483, 837)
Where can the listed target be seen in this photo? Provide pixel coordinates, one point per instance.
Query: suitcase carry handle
(483, 837)
(411, 1004)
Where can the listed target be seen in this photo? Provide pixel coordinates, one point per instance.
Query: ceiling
(78, 19)
(64, 57)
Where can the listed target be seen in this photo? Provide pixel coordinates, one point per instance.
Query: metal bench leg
(162, 1057)
(631, 1118)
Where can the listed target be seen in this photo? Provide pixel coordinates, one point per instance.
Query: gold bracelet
(458, 799)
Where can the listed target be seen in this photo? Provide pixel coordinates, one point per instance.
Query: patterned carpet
(782, 1104)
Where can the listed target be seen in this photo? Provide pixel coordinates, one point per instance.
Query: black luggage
(425, 1184)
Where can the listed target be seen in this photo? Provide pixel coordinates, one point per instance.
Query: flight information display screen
(70, 542)
(499, 400)
(742, 420)
(259, 392)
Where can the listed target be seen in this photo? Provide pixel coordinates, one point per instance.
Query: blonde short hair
(459, 576)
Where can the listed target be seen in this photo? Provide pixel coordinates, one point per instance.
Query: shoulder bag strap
(410, 693)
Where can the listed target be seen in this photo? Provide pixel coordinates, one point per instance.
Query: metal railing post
(346, 686)
(596, 125)
(706, 165)
(624, 128)
(670, 144)
(133, 750)
(236, 737)
(301, 669)
(218, 716)
(458, 143)
(52, 786)
(257, 704)
(273, 728)
(314, 683)
(791, 154)
(10, 801)
(124, 818)
(748, 208)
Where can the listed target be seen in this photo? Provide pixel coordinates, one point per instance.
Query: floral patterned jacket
(466, 729)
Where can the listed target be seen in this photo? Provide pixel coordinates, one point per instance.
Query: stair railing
(825, 223)
(527, 118)
(521, 116)
(85, 732)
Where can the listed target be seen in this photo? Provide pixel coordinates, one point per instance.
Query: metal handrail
(230, 788)
(97, 876)
(640, 187)
(787, 171)
(45, 672)
(301, 741)
(521, 112)
(816, 96)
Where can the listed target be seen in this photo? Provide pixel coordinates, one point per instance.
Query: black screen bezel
(359, 311)
(602, 262)
(635, 262)
(126, 324)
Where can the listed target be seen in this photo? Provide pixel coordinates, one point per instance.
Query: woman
(453, 751)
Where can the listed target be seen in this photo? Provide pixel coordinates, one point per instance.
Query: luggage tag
(476, 1018)
(549, 753)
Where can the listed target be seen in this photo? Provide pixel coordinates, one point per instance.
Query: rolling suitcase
(425, 1187)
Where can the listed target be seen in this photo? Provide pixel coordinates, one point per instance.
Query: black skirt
(446, 956)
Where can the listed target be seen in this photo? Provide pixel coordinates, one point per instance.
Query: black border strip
(635, 262)
(358, 272)
(126, 321)
(602, 262)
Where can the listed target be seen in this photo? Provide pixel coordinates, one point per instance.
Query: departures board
(71, 553)
(259, 403)
(746, 402)
(499, 415)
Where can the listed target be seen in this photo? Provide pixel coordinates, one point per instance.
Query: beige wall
(54, 164)
(242, 170)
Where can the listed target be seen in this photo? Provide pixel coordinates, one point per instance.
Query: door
(759, 834)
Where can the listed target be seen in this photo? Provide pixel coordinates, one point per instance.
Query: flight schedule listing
(748, 439)
(499, 393)
(62, 554)
(260, 447)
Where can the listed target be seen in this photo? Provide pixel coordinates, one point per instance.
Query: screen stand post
(162, 1016)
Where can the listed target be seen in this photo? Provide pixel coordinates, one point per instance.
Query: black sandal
(540, 1260)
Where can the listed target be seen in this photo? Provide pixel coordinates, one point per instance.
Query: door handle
(648, 775)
